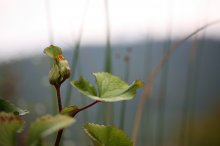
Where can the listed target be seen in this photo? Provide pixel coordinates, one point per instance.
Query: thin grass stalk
(108, 62)
(108, 107)
(163, 89)
(188, 96)
(122, 115)
(153, 75)
(75, 55)
(148, 115)
(161, 106)
(83, 102)
(194, 94)
(83, 98)
(51, 41)
(124, 105)
(187, 127)
(85, 113)
(193, 97)
(197, 64)
(191, 126)
(49, 22)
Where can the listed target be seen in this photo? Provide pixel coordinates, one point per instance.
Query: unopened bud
(64, 68)
(54, 75)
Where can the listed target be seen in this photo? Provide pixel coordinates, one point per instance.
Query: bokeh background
(127, 38)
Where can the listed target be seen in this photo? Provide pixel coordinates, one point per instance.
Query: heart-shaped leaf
(45, 126)
(53, 51)
(10, 125)
(106, 135)
(110, 88)
(6, 106)
(84, 87)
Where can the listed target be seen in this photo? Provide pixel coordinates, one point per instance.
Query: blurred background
(127, 38)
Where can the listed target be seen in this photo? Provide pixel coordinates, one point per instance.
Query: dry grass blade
(109, 108)
(76, 54)
(153, 75)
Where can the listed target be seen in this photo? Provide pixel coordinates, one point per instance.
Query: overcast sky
(24, 23)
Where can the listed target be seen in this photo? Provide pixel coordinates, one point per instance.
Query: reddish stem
(59, 98)
(85, 107)
(59, 134)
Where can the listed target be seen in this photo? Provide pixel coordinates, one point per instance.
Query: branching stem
(85, 107)
(60, 132)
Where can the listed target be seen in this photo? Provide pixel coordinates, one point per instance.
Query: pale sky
(24, 23)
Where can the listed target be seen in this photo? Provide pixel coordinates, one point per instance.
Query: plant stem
(91, 104)
(85, 107)
(59, 97)
(59, 134)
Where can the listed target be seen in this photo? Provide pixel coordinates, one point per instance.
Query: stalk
(197, 64)
(108, 107)
(59, 135)
(51, 41)
(163, 89)
(83, 99)
(123, 106)
(75, 56)
(85, 107)
(148, 116)
(59, 98)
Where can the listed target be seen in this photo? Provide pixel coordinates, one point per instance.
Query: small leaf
(110, 88)
(10, 124)
(84, 87)
(6, 106)
(109, 85)
(47, 125)
(106, 135)
(53, 51)
(70, 110)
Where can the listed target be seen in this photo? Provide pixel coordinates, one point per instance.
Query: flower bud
(64, 68)
(54, 75)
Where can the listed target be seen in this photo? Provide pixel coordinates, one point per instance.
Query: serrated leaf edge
(105, 126)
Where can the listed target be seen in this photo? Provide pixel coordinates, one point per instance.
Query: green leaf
(110, 88)
(109, 85)
(53, 51)
(10, 125)
(47, 125)
(106, 135)
(70, 110)
(6, 106)
(84, 87)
